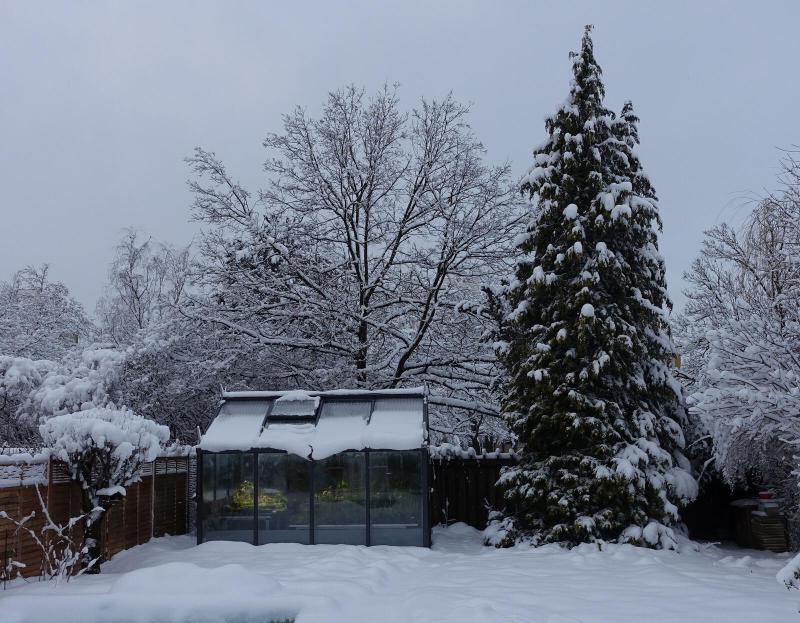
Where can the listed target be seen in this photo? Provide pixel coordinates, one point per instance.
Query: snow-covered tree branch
(39, 318)
(741, 335)
(146, 281)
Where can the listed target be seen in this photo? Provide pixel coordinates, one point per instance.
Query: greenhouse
(338, 467)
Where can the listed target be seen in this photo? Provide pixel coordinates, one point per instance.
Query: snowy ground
(458, 580)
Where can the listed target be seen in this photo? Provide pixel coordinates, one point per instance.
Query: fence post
(189, 512)
(48, 497)
(138, 509)
(18, 546)
(153, 501)
(49, 481)
(198, 494)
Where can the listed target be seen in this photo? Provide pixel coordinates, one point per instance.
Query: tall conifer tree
(586, 343)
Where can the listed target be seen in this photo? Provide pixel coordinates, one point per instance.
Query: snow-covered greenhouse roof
(319, 424)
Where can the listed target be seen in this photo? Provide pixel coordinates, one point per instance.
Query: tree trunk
(361, 353)
(93, 533)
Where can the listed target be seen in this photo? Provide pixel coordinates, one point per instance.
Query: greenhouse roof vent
(294, 406)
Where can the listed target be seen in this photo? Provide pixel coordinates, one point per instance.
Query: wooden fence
(464, 489)
(159, 504)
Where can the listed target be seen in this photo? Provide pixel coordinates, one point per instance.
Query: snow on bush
(118, 439)
(105, 448)
(83, 382)
(789, 575)
(18, 377)
(19, 374)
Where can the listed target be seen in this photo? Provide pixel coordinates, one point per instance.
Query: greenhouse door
(340, 512)
(284, 498)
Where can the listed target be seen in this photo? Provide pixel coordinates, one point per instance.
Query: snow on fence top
(446, 451)
(23, 466)
(28, 466)
(319, 424)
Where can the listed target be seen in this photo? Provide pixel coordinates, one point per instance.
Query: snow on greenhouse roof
(358, 393)
(339, 420)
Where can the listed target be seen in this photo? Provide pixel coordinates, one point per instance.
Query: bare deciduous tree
(358, 261)
(146, 280)
(741, 340)
(39, 318)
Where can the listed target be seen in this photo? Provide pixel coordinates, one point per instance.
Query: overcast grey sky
(101, 101)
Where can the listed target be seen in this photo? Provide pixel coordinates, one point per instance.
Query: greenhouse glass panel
(340, 514)
(395, 483)
(284, 498)
(228, 497)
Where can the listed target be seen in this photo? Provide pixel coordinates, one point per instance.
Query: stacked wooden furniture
(760, 523)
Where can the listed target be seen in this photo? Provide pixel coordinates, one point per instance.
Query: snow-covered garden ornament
(585, 340)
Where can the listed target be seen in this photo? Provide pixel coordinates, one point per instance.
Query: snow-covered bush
(87, 378)
(105, 448)
(19, 376)
(789, 575)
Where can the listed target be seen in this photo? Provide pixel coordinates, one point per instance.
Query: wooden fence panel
(114, 529)
(164, 505)
(155, 506)
(180, 523)
(9, 542)
(131, 517)
(28, 551)
(464, 490)
(144, 509)
(58, 503)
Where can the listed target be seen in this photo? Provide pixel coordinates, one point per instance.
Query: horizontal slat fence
(465, 489)
(157, 505)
